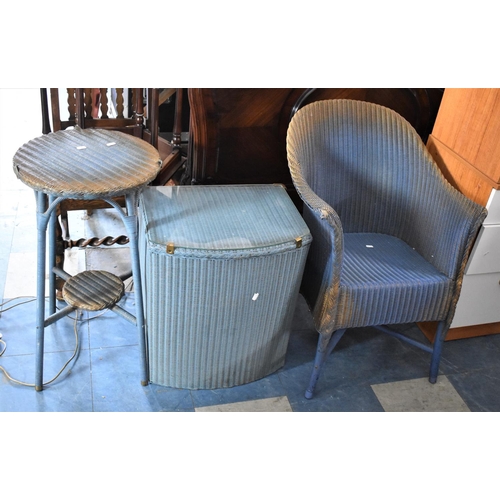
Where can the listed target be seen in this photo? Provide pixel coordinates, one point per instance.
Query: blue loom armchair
(391, 237)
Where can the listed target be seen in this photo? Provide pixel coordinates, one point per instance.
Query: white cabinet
(479, 301)
(493, 207)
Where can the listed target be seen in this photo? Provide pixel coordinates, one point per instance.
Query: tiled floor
(368, 371)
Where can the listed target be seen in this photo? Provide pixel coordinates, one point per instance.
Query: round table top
(86, 163)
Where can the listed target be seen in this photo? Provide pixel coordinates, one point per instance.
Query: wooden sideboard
(465, 143)
(238, 136)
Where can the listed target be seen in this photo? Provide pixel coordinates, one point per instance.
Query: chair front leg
(441, 332)
(326, 344)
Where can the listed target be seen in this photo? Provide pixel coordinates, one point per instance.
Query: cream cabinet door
(485, 256)
(479, 301)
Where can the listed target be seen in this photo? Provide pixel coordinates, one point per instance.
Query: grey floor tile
(107, 329)
(18, 327)
(494, 339)
(116, 381)
(480, 389)
(419, 395)
(352, 399)
(278, 404)
(170, 399)
(470, 354)
(335, 392)
(362, 357)
(265, 388)
(71, 392)
(368, 357)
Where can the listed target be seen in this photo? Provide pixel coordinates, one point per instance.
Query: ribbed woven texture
(93, 290)
(86, 163)
(221, 319)
(205, 331)
(222, 221)
(361, 168)
(384, 281)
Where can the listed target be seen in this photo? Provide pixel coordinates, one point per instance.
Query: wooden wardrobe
(465, 143)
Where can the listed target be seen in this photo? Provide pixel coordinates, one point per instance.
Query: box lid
(214, 221)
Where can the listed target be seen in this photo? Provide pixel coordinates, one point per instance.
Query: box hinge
(170, 248)
(298, 242)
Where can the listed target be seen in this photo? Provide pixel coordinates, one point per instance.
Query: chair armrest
(445, 225)
(321, 281)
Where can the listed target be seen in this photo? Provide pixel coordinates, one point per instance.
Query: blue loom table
(85, 164)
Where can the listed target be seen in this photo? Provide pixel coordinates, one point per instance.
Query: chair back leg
(326, 344)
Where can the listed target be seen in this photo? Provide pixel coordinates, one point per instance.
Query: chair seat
(385, 281)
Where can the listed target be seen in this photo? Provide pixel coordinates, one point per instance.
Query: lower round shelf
(93, 290)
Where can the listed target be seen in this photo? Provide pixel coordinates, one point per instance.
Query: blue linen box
(221, 269)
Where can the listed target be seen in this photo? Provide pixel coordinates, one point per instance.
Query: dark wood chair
(132, 111)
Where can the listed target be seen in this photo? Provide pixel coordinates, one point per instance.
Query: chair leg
(441, 332)
(326, 344)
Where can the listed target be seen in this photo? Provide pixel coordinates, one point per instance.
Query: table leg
(131, 223)
(41, 223)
